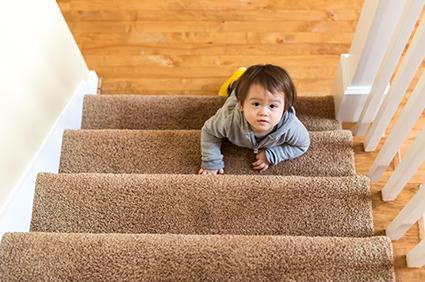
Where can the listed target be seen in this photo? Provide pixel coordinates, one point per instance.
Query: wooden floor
(191, 47)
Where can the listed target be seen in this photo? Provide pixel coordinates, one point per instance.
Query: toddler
(258, 115)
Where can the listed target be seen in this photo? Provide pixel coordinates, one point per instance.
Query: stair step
(178, 152)
(194, 204)
(147, 257)
(185, 111)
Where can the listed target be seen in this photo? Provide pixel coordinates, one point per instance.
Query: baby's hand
(211, 171)
(262, 164)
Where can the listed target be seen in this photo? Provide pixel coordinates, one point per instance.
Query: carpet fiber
(185, 112)
(178, 152)
(128, 205)
(194, 204)
(145, 257)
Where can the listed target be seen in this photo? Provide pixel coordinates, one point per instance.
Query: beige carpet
(194, 204)
(234, 227)
(178, 152)
(123, 257)
(185, 112)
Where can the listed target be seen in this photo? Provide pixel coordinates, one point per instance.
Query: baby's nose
(263, 112)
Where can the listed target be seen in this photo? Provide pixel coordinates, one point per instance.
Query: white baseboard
(15, 215)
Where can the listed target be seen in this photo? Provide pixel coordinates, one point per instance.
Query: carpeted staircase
(127, 204)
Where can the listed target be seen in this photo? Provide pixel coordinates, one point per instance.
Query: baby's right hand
(211, 171)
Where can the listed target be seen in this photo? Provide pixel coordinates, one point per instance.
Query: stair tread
(178, 152)
(304, 219)
(185, 111)
(146, 257)
(194, 204)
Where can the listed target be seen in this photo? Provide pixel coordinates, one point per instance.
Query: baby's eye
(256, 104)
(273, 106)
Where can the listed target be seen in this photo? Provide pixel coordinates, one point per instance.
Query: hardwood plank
(212, 26)
(194, 86)
(213, 4)
(170, 38)
(203, 86)
(306, 65)
(102, 14)
(168, 71)
(296, 49)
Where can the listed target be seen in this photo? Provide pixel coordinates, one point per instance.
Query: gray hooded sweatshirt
(289, 139)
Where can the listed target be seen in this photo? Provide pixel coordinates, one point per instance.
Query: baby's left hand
(262, 164)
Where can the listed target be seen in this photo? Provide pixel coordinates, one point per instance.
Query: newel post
(357, 70)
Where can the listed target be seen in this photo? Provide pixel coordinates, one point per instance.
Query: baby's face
(262, 109)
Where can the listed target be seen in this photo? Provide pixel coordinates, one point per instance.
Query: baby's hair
(273, 78)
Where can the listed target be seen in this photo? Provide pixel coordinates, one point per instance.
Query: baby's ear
(240, 107)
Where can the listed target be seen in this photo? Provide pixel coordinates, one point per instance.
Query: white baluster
(410, 163)
(410, 15)
(357, 70)
(411, 213)
(378, 39)
(410, 114)
(407, 70)
(416, 257)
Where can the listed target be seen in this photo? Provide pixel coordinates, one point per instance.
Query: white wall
(40, 68)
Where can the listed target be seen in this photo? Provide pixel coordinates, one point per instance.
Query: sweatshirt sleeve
(296, 143)
(212, 158)
(212, 135)
(214, 131)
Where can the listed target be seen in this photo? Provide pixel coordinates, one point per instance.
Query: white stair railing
(357, 70)
(410, 15)
(410, 163)
(383, 26)
(406, 72)
(367, 72)
(408, 117)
